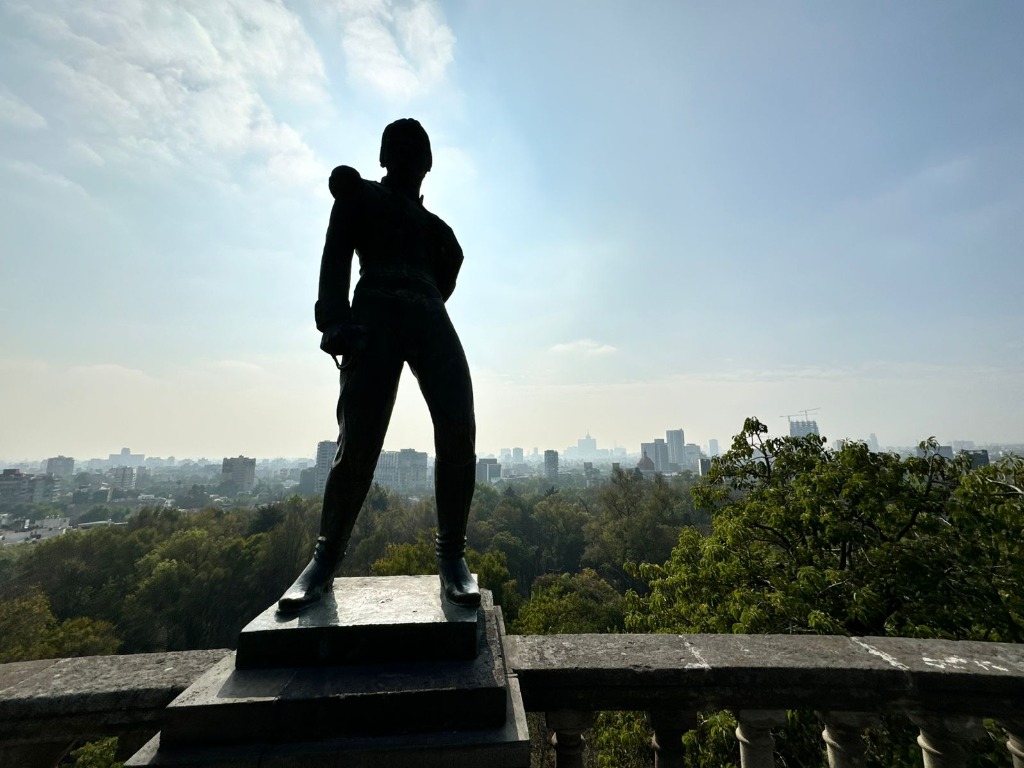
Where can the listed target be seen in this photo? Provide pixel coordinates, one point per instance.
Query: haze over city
(673, 215)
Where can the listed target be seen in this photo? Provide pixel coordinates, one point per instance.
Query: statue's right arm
(332, 304)
(332, 311)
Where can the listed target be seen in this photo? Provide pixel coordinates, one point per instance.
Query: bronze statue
(408, 261)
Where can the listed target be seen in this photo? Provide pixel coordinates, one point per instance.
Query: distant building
(704, 466)
(307, 482)
(873, 443)
(325, 451)
(978, 457)
(692, 457)
(124, 478)
(803, 427)
(405, 471)
(240, 472)
(61, 467)
(551, 466)
(646, 465)
(676, 440)
(488, 471)
(517, 456)
(945, 451)
(657, 452)
(16, 487)
(127, 459)
(586, 447)
(713, 448)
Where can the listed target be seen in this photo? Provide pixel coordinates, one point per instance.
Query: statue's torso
(396, 237)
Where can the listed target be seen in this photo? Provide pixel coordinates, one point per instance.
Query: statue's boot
(314, 581)
(343, 497)
(454, 485)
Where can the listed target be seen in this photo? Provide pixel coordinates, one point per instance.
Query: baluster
(669, 727)
(754, 731)
(942, 738)
(1015, 741)
(844, 737)
(567, 728)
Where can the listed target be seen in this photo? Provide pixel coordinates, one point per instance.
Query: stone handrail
(944, 687)
(48, 707)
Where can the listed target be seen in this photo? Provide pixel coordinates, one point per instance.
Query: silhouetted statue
(408, 262)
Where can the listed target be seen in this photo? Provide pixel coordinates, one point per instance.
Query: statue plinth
(364, 620)
(345, 701)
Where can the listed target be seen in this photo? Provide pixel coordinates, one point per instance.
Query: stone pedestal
(382, 672)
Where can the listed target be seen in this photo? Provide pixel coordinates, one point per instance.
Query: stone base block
(505, 747)
(364, 620)
(461, 712)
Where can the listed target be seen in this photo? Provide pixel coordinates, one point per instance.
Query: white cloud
(400, 49)
(181, 83)
(587, 347)
(15, 112)
(42, 175)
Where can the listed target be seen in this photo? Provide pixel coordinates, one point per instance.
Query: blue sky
(673, 214)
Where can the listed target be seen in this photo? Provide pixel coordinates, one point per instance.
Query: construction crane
(806, 414)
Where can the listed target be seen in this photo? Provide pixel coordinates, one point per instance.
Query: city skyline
(318, 455)
(671, 214)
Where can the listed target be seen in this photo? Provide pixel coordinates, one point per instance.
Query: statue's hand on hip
(343, 339)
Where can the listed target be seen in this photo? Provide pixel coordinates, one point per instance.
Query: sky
(674, 214)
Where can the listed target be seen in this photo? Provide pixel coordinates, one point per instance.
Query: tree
(637, 520)
(805, 539)
(848, 542)
(571, 604)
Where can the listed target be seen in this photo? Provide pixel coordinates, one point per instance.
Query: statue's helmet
(406, 131)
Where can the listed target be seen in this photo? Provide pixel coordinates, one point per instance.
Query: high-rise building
(978, 457)
(660, 456)
(586, 447)
(691, 457)
(488, 470)
(551, 466)
(239, 472)
(713, 448)
(405, 471)
(126, 459)
(124, 478)
(307, 479)
(61, 467)
(16, 487)
(873, 443)
(325, 451)
(517, 455)
(676, 445)
(803, 427)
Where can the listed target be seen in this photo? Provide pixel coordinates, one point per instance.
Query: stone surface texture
(304, 703)
(646, 672)
(364, 619)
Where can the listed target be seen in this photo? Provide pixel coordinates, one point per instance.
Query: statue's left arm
(448, 260)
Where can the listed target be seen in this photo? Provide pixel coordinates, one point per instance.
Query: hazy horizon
(673, 216)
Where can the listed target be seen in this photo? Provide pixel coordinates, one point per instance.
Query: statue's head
(405, 146)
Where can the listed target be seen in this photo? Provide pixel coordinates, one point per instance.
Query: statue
(408, 261)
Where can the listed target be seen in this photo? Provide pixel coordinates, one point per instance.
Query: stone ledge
(643, 672)
(89, 695)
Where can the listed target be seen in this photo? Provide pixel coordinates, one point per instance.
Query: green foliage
(29, 630)
(849, 542)
(97, 754)
(636, 520)
(804, 539)
(571, 604)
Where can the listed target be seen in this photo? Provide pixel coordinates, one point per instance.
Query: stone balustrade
(945, 688)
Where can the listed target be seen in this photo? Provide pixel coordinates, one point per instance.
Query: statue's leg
(443, 374)
(369, 384)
